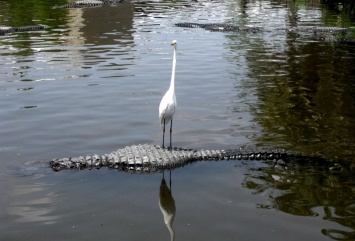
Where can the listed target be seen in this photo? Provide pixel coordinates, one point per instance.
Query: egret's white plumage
(168, 103)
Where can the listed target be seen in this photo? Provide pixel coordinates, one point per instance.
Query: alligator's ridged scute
(334, 39)
(318, 29)
(151, 158)
(189, 25)
(80, 4)
(8, 30)
(324, 34)
(218, 27)
(234, 28)
(89, 4)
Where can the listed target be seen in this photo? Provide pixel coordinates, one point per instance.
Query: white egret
(168, 103)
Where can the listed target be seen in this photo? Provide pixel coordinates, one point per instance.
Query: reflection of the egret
(301, 189)
(167, 205)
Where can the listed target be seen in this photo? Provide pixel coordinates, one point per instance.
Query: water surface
(92, 81)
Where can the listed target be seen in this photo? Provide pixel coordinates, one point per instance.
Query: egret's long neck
(172, 83)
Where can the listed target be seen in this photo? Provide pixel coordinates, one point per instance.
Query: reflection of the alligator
(311, 188)
(167, 205)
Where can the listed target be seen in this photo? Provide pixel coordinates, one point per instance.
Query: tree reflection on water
(309, 189)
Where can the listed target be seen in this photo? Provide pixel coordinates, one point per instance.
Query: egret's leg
(163, 132)
(171, 130)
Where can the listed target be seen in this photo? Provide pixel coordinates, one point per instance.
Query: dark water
(92, 81)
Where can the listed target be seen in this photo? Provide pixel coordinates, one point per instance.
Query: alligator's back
(152, 158)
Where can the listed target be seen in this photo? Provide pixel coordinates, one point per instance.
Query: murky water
(92, 81)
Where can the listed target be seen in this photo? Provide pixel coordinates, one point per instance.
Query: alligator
(316, 29)
(9, 30)
(89, 4)
(219, 27)
(224, 27)
(333, 39)
(317, 33)
(153, 158)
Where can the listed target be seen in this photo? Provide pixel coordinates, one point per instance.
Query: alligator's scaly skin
(224, 27)
(88, 4)
(8, 30)
(317, 33)
(219, 27)
(334, 39)
(151, 158)
(318, 29)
